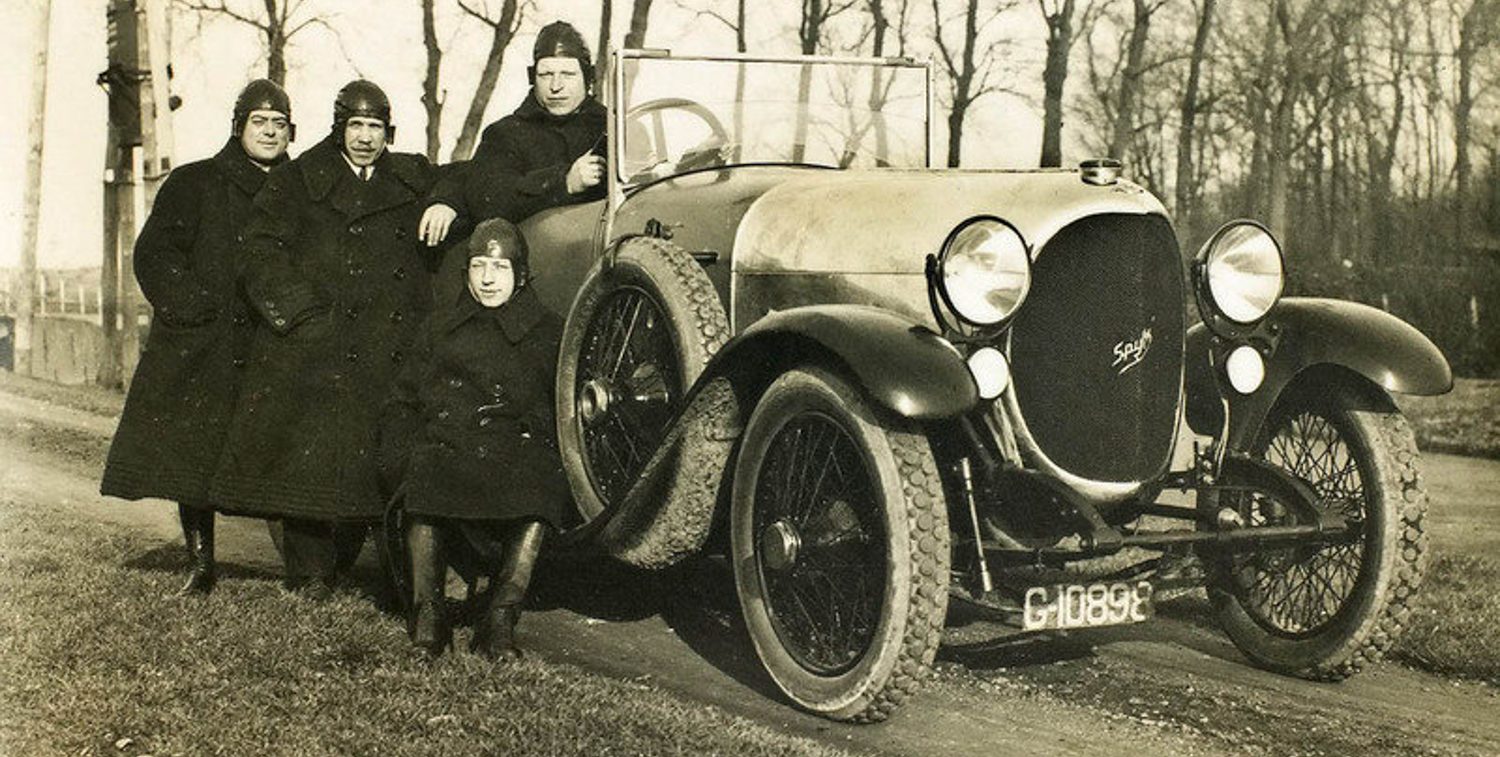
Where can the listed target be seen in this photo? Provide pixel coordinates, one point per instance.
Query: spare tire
(640, 331)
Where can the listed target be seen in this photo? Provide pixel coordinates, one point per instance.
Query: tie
(364, 173)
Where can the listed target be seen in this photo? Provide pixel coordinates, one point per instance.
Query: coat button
(396, 357)
(239, 362)
(442, 415)
(240, 319)
(455, 382)
(356, 271)
(485, 421)
(396, 316)
(355, 228)
(351, 312)
(279, 322)
(352, 355)
(399, 273)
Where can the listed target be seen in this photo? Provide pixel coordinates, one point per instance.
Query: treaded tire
(1393, 550)
(676, 285)
(913, 518)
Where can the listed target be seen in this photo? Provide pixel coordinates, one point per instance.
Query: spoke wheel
(627, 387)
(639, 333)
(838, 529)
(1321, 611)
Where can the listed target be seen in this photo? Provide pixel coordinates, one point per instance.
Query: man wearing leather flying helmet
(187, 261)
(549, 151)
(339, 278)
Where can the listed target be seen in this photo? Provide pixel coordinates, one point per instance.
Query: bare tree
(815, 16)
(640, 17)
(968, 67)
(606, 23)
(276, 20)
(1187, 180)
(1130, 79)
(1058, 15)
(1476, 32)
(503, 30)
(741, 45)
(432, 95)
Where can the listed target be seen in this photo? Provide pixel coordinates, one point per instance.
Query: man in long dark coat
(549, 151)
(188, 263)
(340, 281)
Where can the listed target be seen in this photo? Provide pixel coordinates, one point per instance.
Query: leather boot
(198, 533)
(428, 624)
(495, 634)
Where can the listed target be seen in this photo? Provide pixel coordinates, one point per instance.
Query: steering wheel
(645, 121)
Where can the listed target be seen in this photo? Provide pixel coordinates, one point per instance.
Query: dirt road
(1172, 686)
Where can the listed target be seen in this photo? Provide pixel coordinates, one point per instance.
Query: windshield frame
(616, 124)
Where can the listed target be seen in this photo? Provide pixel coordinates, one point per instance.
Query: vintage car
(876, 385)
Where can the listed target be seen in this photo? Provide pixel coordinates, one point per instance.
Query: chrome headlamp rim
(940, 281)
(1213, 311)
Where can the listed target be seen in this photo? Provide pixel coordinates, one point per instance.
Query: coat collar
(236, 165)
(531, 110)
(327, 174)
(516, 318)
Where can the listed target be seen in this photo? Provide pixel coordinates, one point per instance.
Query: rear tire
(1323, 612)
(839, 535)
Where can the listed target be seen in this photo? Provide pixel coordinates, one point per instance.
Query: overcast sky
(379, 39)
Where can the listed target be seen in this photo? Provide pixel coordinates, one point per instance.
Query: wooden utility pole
(25, 285)
(139, 115)
(122, 81)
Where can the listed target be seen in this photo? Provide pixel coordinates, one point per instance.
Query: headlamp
(1240, 272)
(984, 271)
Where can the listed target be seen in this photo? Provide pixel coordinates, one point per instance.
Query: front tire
(1322, 612)
(839, 534)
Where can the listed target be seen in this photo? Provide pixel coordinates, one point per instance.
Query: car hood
(887, 221)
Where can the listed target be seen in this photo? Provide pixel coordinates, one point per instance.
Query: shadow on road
(696, 600)
(172, 558)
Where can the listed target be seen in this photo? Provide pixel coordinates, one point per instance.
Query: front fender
(1302, 333)
(904, 367)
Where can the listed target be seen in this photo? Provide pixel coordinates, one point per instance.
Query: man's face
(364, 139)
(492, 279)
(265, 135)
(559, 85)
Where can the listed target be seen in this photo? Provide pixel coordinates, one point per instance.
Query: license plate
(1086, 605)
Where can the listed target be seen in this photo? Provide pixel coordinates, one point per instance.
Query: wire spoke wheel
(839, 536)
(1298, 591)
(823, 547)
(626, 388)
(1322, 610)
(643, 326)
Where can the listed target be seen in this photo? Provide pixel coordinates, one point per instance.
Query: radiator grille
(1097, 349)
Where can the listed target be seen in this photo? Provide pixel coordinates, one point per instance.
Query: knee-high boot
(198, 533)
(495, 635)
(428, 624)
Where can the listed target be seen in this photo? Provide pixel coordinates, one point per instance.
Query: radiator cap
(1100, 172)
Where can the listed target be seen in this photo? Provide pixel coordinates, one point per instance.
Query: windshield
(682, 114)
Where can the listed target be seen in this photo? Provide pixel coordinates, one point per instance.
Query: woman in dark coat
(468, 440)
(187, 261)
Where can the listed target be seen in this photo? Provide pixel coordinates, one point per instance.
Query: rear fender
(1302, 334)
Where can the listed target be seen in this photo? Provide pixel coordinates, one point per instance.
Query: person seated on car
(467, 441)
(549, 152)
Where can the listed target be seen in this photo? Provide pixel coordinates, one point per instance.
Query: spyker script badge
(1130, 352)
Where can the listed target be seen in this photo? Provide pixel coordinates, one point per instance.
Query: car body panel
(904, 367)
(1307, 332)
(563, 244)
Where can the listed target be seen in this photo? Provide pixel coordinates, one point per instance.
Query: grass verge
(1465, 421)
(97, 658)
(1455, 626)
